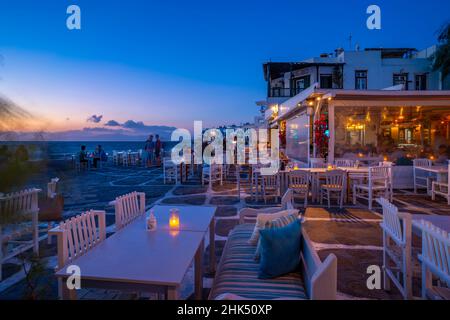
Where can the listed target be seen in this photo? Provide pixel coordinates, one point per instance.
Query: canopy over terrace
(394, 125)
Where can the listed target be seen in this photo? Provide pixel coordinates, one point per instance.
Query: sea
(61, 149)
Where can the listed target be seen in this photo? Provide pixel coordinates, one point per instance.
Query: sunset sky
(173, 62)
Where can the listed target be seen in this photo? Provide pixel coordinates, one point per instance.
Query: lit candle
(174, 220)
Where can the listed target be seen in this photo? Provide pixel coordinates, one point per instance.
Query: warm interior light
(330, 167)
(174, 220)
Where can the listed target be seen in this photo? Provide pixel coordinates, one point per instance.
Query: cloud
(112, 123)
(130, 124)
(94, 118)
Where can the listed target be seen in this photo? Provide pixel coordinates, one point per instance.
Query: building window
(421, 82)
(326, 81)
(401, 78)
(301, 84)
(361, 80)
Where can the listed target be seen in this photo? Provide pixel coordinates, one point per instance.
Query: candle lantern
(174, 219)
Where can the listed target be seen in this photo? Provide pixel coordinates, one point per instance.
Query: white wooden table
(441, 172)
(192, 218)
(137, 260)
(316, 172)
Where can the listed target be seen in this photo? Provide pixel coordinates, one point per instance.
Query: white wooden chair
(115, 158)
(390, 166)
(270, 186)
(212, 173)
(378, 184)
(255, 180)
(128, 207)
(75, 237)
(435, 260)
(19, 205)
(334, 183)
(126, 159)
(299, 184)
(170, 171)
(421, 181)
(345, 163)
(441, 189)
(397, 263)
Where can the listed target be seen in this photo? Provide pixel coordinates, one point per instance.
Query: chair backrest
(128, 207)
(436, 250)
(379, 176)
(52, 188)
(287, 201)
(335, 177)
(168, 163)
(392, 221)
(298, 177)
(317, 163)
(270, 181)
(422, 163)
(78, 235)
(346, 163)
(19, 203)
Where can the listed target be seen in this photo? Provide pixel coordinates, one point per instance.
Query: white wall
(381, 71)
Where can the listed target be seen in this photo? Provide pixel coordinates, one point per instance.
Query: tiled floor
(352, 234)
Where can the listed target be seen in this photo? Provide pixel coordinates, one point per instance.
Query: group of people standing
(152, 151)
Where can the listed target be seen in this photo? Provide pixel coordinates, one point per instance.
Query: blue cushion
(280, 250)
(277, 223)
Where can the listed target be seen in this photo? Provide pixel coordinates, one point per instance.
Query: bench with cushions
(237, 274)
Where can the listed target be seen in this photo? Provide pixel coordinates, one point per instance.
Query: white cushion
(261, 220)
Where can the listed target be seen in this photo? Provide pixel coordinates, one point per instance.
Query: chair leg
(306, 199)
(370, 199)
(426, 281)
(386, 280)
(329, 198)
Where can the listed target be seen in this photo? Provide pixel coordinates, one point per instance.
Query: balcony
(284, 92)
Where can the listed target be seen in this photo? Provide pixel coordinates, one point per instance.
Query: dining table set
(316, 176)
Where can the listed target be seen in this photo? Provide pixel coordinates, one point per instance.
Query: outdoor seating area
(209, 222)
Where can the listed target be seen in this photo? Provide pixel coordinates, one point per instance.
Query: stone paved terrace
(353, 234)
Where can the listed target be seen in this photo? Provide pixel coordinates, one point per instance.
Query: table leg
(212, 246)
(172, 293)
(198, 266)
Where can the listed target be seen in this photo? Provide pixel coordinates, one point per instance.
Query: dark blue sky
(171, 62)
